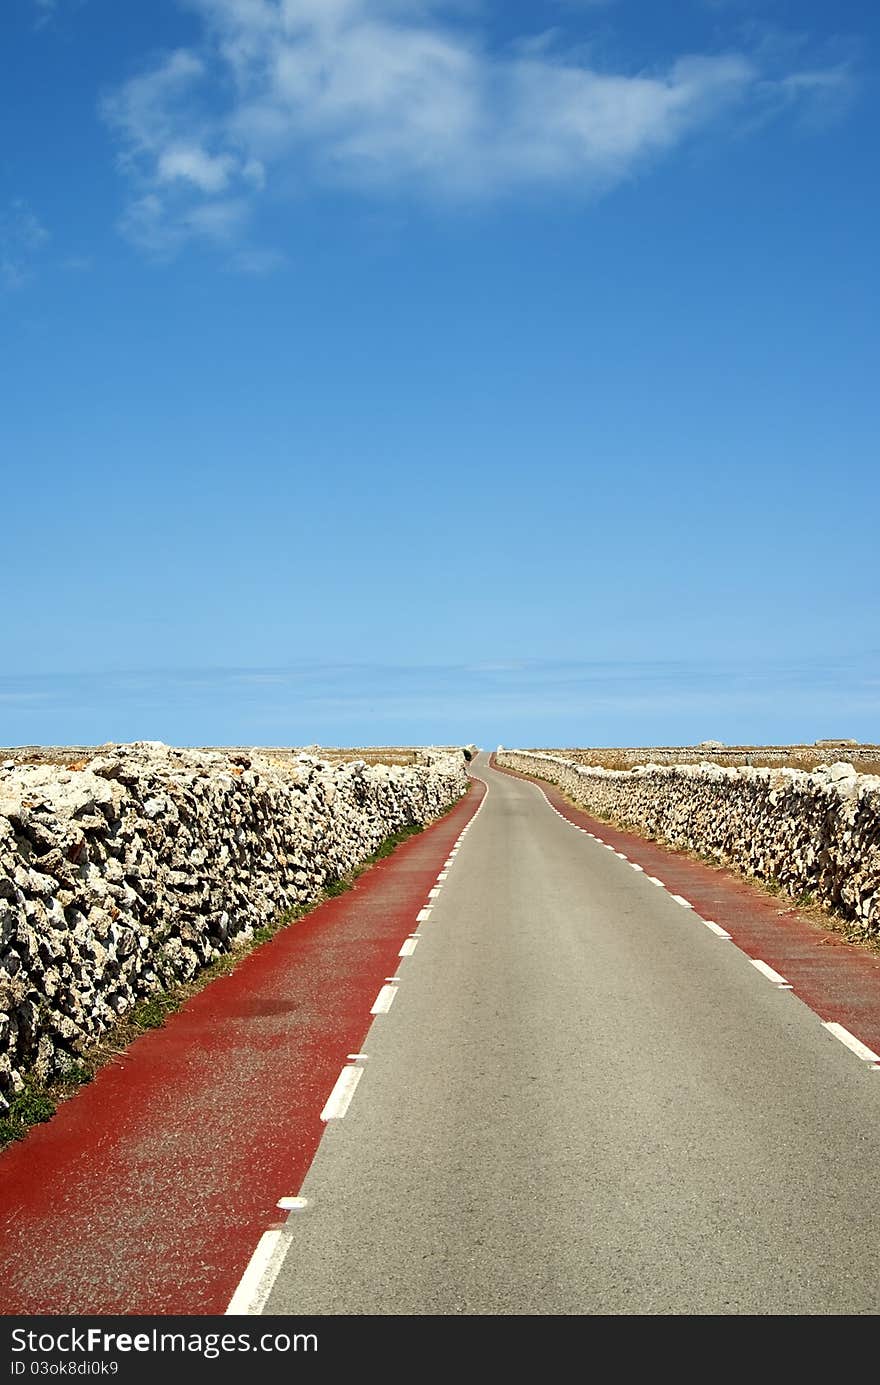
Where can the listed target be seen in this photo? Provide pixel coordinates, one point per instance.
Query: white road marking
(715, 927)
(256, 1283)
(622, 855)
(409, 946)
(384, 1000)
(432, 894)
(339, 1099)
(265, 1264)
(853, 1044)
(443, 874)
(680, 899)
(292, 1204)
(844, 1036)
(770, 974)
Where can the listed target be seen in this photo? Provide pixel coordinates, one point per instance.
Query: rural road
(582, 1100)
(578, 1098)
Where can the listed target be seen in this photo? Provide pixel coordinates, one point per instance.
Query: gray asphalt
(583, 1102)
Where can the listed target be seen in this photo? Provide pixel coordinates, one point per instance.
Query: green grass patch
(32, 1106)
(152, 1013)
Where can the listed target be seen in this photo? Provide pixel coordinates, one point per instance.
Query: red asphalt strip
(149, 1189)
(838, 980)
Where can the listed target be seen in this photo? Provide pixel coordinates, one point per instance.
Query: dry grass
(865, 758)
(372, 755)
(78, 756)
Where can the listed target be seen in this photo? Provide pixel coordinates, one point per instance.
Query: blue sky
(388, 371)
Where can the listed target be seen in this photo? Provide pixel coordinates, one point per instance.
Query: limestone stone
(815, 832)
(134, 872)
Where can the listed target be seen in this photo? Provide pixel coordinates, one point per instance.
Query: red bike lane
(149, 1189)
(838, 980)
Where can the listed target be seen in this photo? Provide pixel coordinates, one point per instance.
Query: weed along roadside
(144, 847)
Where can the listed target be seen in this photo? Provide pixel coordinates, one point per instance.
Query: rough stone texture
(865, 758)
(139, 869)
(816, 832)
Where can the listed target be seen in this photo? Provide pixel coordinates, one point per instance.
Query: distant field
(76, 755)
(865, 758)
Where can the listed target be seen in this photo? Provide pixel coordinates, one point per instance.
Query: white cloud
(149, 112)
(819, 96)
(385, 94)
(162, 228)
(22, 236)
(189, 162)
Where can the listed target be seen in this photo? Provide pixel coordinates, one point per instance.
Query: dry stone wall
(814, 832)
(135, 871)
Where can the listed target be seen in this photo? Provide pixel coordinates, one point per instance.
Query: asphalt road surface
(584, 1101)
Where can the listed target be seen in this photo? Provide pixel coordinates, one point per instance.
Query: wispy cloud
(819, 96)
(518, 701)
(392, 94)
(22, 237)
(44, 11)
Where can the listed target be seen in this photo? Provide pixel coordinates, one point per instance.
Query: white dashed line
(432, 894)
(770, 974)
(854, 1045)
(265, 1264)
(443, 874)
(843, 1035)
(715, 928)
(408, 947)
(384, 1000)
(292, 1204)
(339, 1099)
(256, 1283)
